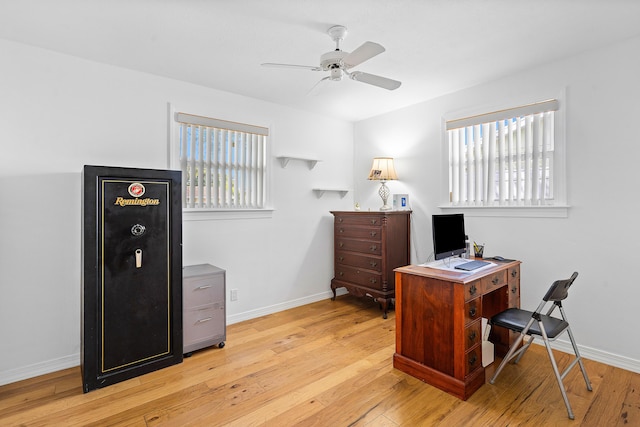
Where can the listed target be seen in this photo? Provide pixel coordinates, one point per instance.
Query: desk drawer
(367, 233)
(493, 281)
(472, 290)
(358, 220)
(472, 310)
(473, 360)
(204, 323)
(472, 335)
(360, 261)
(359, 276)
(374, 248)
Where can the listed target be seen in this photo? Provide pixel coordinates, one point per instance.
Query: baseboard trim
(73, 360)
(40, 368)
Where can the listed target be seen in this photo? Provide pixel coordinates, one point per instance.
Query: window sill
(558, 211)
(194, 214)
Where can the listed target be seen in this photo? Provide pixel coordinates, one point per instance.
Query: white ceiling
(433, 46)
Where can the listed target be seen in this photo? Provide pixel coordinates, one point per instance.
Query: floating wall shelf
(320, 192)
(284, 160)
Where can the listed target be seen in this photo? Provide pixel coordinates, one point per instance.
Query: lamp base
(384, 195)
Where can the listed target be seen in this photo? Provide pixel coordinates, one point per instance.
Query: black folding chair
(533, 324)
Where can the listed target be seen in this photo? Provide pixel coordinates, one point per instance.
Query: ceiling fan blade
(300, 67)
(318, 86)
(363, 53)
(372, 79)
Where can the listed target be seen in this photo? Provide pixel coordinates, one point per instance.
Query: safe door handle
(138, 258)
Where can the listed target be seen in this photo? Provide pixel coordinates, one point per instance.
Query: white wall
(599, 238)
(58, 113)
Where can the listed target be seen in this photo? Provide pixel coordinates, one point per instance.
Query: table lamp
(383, 170)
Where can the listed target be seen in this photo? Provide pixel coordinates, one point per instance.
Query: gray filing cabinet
(204, 314)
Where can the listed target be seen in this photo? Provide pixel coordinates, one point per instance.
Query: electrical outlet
(234, 295)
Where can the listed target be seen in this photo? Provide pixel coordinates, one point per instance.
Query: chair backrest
(559, 290)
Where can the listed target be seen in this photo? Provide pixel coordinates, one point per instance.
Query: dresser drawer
(358, 260)
(359, 276)
(373, 248)
(198, 291)
(368, 233)
(358, 219)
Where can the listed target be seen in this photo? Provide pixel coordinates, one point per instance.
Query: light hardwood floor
(324, 364)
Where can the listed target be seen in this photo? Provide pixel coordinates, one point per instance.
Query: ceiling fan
(339, 63)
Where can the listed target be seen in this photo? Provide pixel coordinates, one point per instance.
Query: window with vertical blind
(223, 163)
(504, 158)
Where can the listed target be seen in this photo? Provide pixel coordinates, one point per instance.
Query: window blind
(223, 163)
(503, 158)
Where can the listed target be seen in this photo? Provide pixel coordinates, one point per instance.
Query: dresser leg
(333, 298)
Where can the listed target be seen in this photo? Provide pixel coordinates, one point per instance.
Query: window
(223, 163)
(505, 158)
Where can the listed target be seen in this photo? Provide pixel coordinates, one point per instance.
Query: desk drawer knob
(473, 312)
(514, 273)
(373, 263)
(373, 248)
(340, 230)
(341, 244)
(472, 336)
(514, 289)
(340, 219)
(373, 280)
(473, 359)
(373, 234)
(495, 281)
(373, 221)
(340, 258)
(473, 290)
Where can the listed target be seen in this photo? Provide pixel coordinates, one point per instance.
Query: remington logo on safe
(136, 190)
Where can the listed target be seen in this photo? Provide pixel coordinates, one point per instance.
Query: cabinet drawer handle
(340, 258)
(373, 280)
(514, 273)
(373, 221)
(341, 244)
(495, 281)
(204, 287)
(339, 219)
(514, 289)
(472, 312)
(373, 263)
(473, 290)
(340, 273)
(206, 319)
(340, 230)
(472, 336)
(373, 248)
(373, 234)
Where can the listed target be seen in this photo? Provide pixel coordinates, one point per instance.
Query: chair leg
(547, 344)
(579, 359)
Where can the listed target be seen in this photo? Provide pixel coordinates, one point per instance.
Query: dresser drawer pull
(473, 312)
(340, 273)
(373, 263)
(340, 230)
(514, 289)
(341, 244)
(373, 248)
(514, 273)
(206, 319)
(340, 219)
(373, 234)
(373, 221)
(373, 280)
(473, 290)
(340, 258)
(495, 281)
(204, 287)
(472, 336)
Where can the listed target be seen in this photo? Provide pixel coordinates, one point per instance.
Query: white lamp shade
(383, 169)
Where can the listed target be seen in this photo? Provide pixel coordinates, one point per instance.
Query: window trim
(205, 214)
(560, 209)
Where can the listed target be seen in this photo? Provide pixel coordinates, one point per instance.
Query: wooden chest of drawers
(204, 314)
(367, 247)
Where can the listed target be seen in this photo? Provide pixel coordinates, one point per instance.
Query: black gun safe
(132, 273)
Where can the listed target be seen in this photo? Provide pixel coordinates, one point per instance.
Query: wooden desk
(438, 318)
